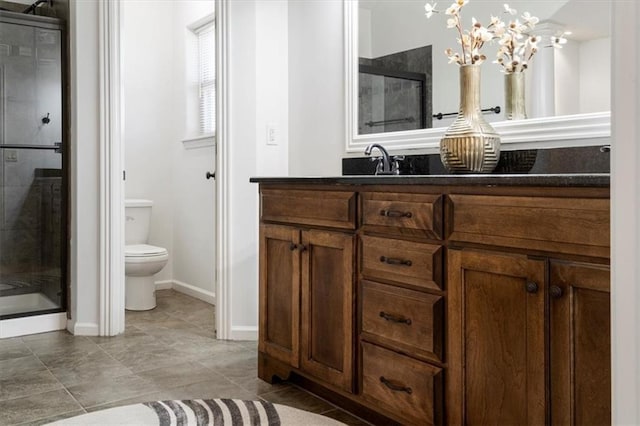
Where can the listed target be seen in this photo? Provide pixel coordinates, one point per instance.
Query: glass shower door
(32, 258)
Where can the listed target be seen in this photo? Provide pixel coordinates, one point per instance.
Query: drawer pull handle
(395, 213)
(393, 318)
(395, 386)
(392, 261)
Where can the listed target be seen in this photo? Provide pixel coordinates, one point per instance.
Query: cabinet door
(327, 328)
(279, 293)
(580, 344)
(496, 339)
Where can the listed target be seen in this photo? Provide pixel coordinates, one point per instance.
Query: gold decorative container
(514, 107)
(470, 144)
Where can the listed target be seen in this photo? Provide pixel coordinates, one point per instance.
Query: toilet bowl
(142, 261)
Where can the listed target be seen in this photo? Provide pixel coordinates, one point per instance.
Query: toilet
(142, 261)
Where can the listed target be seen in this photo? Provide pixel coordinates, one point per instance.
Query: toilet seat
(144, 250)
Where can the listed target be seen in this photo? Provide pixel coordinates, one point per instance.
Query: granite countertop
(573, 179)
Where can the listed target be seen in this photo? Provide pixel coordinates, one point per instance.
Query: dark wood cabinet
(279, 293)
(437, 304)
(497, 340)
(307, 282)
(327, 325)
(496, 355)
(580, 339)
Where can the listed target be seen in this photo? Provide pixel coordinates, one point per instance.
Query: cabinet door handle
(302, 247)
(555, 292)
(293, 246)
(395, 386)
(393, 261)
(532, 287)
(395, 213)
(393, 318)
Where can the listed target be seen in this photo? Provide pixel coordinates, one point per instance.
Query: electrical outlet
(272, 134)
(10, 156)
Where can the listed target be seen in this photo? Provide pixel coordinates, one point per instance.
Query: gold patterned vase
(470, 144)
(514, 108)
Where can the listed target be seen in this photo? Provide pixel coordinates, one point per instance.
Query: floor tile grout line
(75, 399)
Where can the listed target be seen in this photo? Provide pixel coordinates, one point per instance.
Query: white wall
(316, 88)
(364, 33)
(85, 166)
(272, 78)
(566, 80)
(595, 75)
(583, 77)
(150, 121)
(193, 196)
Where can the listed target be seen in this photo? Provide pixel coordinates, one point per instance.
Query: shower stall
(390, 100)
(33, 181)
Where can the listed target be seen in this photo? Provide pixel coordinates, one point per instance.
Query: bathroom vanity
(477, 299)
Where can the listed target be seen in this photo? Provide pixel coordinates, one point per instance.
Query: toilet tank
(137, 217)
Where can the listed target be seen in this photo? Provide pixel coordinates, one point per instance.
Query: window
(206, 78)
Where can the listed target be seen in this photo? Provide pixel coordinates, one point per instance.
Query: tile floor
(167, 353)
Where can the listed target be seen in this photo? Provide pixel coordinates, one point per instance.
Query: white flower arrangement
(516, 45)
(470, 40)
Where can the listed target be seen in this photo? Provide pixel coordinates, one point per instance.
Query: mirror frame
(545, 132)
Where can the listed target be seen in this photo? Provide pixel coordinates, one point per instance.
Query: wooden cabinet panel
(503, 338)
(580, 344)
(322, 208)
(279, 293)
(408, 320)
(410, 389)
(327, 328)
(417, 264)
(403, 214)
(570, 225)
(496, 339)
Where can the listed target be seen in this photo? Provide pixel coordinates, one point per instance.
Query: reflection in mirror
(406, 83)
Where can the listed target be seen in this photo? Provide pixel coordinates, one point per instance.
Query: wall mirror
(402, 92)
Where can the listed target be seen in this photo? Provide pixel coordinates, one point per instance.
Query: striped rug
(201, 412)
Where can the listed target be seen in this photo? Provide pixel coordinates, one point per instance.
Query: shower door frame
(55, 24)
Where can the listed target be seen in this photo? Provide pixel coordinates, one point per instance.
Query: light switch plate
(272, 134)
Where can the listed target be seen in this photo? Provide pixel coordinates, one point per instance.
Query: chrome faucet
(387, 165)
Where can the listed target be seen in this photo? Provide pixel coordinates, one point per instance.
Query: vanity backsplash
(586, 159)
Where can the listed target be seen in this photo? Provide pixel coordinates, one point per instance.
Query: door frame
(112, 278)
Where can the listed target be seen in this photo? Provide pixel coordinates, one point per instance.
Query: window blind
(207, 78)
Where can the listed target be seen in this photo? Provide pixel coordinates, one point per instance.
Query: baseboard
(83, 328)
(32, 325)
(244, 332)
(164, 285)
(188, 289)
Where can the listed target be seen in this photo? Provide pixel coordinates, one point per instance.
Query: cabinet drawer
(410, 389)
(411, 320)
(334, 209)
(570, 225)
(404, 214)
(407, 262)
